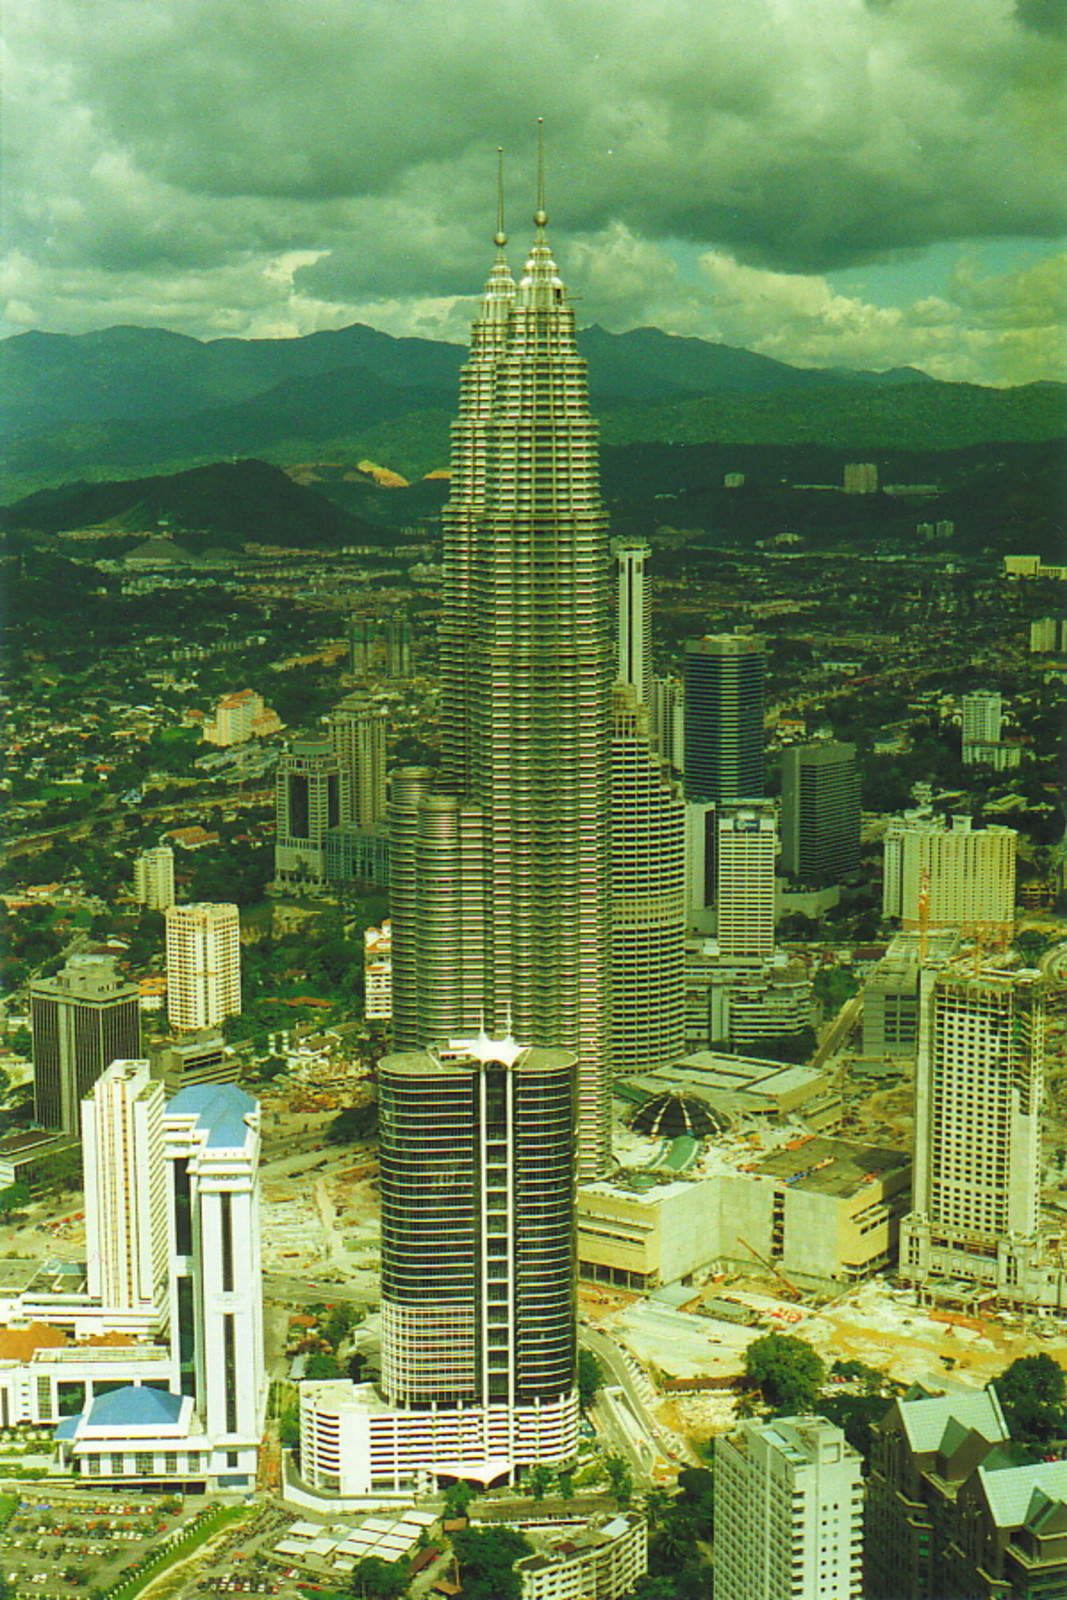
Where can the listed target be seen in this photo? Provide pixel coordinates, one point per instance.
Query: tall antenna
(540, 215)
(500, 238)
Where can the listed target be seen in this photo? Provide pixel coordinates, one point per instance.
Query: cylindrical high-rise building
(516, 836)
(724, 695)
(647, 896)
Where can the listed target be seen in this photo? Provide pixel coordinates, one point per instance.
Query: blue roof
(66, 1428)
(221, 1108)
(136, 1407)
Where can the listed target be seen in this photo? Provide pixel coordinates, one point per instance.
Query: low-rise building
(601, 1561)
(822, 1209)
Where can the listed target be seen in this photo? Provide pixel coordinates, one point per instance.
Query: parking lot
(59, 1543)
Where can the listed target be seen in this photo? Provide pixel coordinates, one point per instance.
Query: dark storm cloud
(354, 143)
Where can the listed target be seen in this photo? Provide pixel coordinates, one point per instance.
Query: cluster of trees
(680, 1534)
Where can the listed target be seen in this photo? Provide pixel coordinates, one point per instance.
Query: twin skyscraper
(500, 863)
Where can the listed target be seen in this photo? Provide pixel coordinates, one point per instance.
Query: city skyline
(869, 185)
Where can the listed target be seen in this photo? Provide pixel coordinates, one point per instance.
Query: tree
(787, 1372)
(619, 1476)
(538, 1480)
(565, 1482)
(13, 1198)
(590, 1378)
(458, 1497)
(374, 1579)
(1031, 1391)
(354, 1125)
(321, 1365)
(356, 1363)
(487, 1557)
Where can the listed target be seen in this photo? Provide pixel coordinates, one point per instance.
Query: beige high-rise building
(981, 715)
(357, 733)
(746, 845)
(788, 1512)
(979, 1086)
(153, 878)
(203, 964)
(634, 616)
(126, 1219)
(966, 873)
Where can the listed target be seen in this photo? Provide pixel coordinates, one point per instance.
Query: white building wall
(126, 1220)
(788, 1513)
(747, 843)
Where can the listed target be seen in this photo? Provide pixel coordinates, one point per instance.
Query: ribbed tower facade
(647, 896)
(507, 887)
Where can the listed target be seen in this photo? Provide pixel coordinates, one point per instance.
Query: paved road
(634, 1432)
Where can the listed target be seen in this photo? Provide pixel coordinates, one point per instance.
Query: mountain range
(139, 402)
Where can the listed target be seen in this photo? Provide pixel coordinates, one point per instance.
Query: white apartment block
(602, 1561)
(153, 878)
(967, 873)
(239, 717)
(378, 973)
(203, 964)
(126, 1222)
(788, 1513)
(746, 845)
(979, 1092)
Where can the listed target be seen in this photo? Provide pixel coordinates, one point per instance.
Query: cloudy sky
(855, 182)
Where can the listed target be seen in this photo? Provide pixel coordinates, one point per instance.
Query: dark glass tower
(477, 1190)
(820, 812)
(83, 1019)
(724, 696)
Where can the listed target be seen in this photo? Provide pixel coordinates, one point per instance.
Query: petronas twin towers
(500, 867)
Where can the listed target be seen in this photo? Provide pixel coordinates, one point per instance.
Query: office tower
(981, 718)
(699, 866)
(955, 876)
(647, 896)
(861, 477)
(82, 1020)
(153, 878)
(311, 796)
(634, 617)
(203, 965)
(746, 845)
(666, 706)
(357, 734)
(212, 1146)
(477, 1163)
(507, 906)
(978, 1095)
(820, 812)
(724, 692)
(381, 648)
(788, 1512)
(126, 1238)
